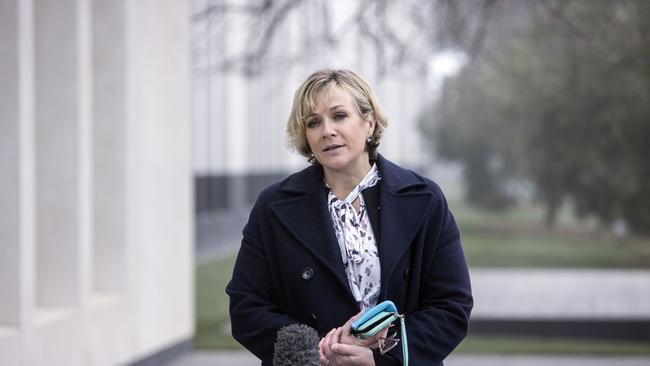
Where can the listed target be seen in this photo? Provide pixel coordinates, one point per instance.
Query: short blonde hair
(305, 100)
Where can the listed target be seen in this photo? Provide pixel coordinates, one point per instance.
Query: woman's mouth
(332, 147)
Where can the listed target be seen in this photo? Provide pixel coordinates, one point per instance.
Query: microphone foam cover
(296, 344)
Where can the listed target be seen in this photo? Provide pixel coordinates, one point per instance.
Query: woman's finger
(352, 355)
(337, 335)
(327, 343)
(323, 342)
(321, 354)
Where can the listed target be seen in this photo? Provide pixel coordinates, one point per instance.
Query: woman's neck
(343, 182)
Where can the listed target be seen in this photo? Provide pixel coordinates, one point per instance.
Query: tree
(402, 35)
(560, 100)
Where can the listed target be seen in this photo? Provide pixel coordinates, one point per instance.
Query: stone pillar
(109, 144)
(62, 150)
(17, 169)
(10, 164)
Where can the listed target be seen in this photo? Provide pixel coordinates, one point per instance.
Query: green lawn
(212, 320)
(513, 239)
(539, 250)
(517, 238)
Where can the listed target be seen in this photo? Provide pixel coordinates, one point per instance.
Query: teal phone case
(375, 319)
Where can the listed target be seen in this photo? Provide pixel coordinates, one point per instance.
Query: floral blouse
(356, 240)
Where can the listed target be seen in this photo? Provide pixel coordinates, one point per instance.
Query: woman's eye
(312, 124)
(340, 116)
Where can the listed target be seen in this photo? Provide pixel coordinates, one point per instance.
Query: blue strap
(405, 345)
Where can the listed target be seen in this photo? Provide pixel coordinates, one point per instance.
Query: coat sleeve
(255, 316)
(441, 319)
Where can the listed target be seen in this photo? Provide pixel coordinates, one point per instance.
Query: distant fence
(224, 192)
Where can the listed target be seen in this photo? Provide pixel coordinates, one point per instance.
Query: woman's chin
(344, 161)
(342, 165)
(333, 165)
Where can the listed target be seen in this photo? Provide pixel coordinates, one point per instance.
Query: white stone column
(159, 209)
(63, 153)
(10, 166)
(16, 185)
(109, 137)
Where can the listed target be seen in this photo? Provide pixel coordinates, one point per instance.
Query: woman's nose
(328, 128)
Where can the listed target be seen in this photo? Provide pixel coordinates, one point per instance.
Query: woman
(349, 231)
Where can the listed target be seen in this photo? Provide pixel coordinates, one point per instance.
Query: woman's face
(336, 133)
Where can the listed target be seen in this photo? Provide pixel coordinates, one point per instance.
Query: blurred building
(240, 121)
(96, 254)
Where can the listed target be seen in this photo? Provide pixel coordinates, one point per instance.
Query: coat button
(312, 321)
(407, 273)
(307, 273)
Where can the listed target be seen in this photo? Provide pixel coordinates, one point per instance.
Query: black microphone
(296, 345)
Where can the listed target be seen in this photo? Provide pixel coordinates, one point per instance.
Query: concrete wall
(96, 243)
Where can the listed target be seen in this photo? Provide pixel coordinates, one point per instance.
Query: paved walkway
(561, 294)
(245, 359)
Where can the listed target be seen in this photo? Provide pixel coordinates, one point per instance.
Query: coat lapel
(403, 209)
(306, 216)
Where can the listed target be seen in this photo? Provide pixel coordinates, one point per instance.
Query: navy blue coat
(289, 267)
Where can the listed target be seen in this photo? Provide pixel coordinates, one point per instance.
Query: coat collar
(402, 200)
(393, 177)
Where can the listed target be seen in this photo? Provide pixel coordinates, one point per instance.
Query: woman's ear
(372, 123)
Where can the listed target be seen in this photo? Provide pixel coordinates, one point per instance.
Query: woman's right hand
(335, 353)
(341, 347)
